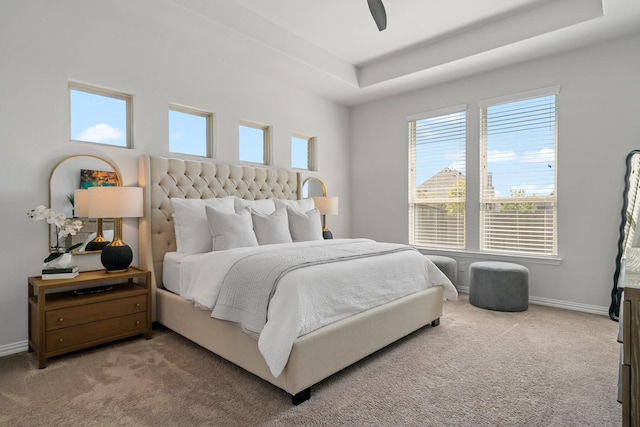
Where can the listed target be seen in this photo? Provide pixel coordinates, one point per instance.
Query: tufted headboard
(164, 178)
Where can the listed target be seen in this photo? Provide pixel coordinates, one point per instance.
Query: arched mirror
(629, 219)
(313, 187)
(70, 174)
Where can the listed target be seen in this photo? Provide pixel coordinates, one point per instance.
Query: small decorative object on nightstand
(93, 308)
(326, 206)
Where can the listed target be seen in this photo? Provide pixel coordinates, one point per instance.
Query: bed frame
(314, 356)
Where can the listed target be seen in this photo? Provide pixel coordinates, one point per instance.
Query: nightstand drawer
(102, 330)
(72, 316)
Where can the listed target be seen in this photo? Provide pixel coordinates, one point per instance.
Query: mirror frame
(614, 309)
(51, 175)
(313, 179)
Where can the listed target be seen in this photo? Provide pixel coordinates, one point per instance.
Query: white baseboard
(567, 305)
(16, 347)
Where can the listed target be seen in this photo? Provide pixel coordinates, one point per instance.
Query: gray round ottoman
(448, 266)
(500, 286)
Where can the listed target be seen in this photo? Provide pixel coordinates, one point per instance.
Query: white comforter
(309, 298)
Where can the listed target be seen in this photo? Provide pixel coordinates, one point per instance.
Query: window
(99, 116)
(437, 183)
(254, 143)
(518, 208)
(190, 131)
(302, 152)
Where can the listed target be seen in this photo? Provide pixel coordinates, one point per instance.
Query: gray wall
(599, 111)
(43, 44)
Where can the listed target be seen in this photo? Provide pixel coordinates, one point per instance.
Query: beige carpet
(542, 367)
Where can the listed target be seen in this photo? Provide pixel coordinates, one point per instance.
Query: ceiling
(333, 47)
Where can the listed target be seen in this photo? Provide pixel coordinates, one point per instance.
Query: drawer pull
(137, 322)
(60, 319)
(137, 304)
(61, 340)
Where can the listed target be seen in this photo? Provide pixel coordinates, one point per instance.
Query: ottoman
(448, 266)
(500, 286)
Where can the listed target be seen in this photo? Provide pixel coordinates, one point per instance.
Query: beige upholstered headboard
(164, 178)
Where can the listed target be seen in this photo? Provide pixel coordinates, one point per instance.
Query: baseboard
(16, 347)
(567, 305)
(20, 346)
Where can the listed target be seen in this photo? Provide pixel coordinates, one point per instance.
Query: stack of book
(55, 273)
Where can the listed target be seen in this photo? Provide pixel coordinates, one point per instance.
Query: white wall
(599, 123)
(43, 44)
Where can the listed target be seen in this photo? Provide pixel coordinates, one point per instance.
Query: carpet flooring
(541, 367)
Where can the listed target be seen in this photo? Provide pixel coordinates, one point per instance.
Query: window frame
(266, 129)
(311, 151)
(95, 90)
(209, 117)
(485, 200)
(414, 200)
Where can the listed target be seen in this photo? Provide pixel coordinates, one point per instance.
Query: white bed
(314, 355)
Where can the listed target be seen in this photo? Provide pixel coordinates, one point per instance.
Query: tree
(457, 191)
(518, 206)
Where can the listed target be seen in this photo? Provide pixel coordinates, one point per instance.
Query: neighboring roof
(441, 183)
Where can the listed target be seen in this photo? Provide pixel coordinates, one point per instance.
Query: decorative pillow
(190, 223)
(265, 206)
(305, 226)
(272, 228)
(230, 230)
(303, 205)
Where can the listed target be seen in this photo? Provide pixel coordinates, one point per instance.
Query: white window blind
(518, 205)
(437, 184)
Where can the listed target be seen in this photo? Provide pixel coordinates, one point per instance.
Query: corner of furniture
(93, 308)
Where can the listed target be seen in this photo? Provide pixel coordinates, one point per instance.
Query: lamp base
(326, 234)
(116, 258)
(95, 246)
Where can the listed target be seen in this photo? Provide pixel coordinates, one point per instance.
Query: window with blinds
(437, 184)
(518, 205)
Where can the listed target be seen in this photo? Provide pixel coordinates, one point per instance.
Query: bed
(315, 355)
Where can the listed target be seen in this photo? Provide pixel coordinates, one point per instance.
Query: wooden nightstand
(65, 316)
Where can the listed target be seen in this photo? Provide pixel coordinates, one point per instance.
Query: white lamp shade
(326, 205)
(81, 203)
(115, 202)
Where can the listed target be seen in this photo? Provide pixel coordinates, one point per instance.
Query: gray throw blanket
(251, 282)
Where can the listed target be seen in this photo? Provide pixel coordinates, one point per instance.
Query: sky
(520, 146)
(102, 119)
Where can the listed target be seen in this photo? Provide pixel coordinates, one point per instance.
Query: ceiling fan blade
(379, 14)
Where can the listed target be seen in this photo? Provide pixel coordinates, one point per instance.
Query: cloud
(545, 155)
(500, 156)
(100, 133)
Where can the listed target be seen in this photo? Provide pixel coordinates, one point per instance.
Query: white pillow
(265, 206)
(190, 223)
(303, 205)
(230, 230)
(272, 228)
(305, 226)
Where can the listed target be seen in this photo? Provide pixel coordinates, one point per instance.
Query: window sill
(492, 256)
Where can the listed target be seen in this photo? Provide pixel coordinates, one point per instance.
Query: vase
(63, 261)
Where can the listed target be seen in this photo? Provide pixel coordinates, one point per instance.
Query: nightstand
(93, 308)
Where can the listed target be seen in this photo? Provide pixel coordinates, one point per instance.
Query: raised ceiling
(333, 48)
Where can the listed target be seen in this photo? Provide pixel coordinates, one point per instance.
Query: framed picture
(94, 178)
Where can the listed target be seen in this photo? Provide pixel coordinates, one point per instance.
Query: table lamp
(81, 209)
(326, 206)
(116, 203)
